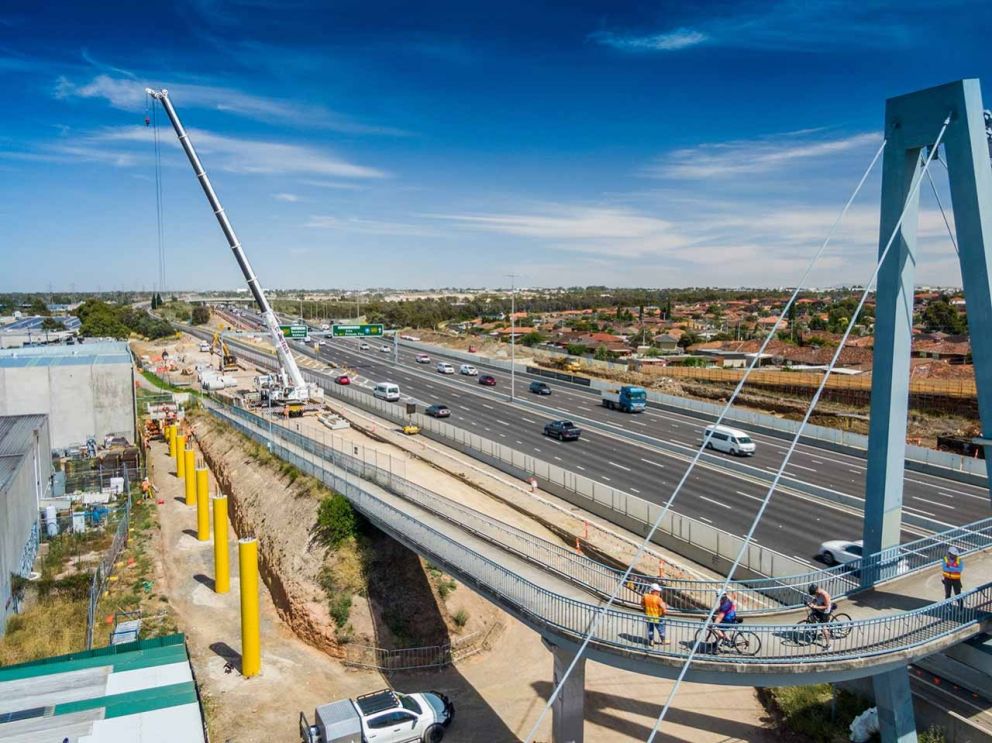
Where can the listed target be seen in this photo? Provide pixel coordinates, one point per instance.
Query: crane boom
(298, 387)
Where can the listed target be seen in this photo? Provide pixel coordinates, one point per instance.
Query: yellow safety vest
(952, 568)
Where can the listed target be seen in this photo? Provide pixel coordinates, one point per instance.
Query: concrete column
(894, 700)
(568, 710)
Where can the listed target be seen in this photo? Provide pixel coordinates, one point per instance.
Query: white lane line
(519, 441)
(857, 471)
(919, 511)
(801, 559)
(933, 502)
(455, 394)
(703, 518)
(799, 466)
(648, 461)
(919, 482)
(558, 458)
(619, 466)
(502, 435)
(527, 419)
(955, 493)
(638, 423)
(818, 461)
(634, 490)
(605, 478)
(487, 428)
(580, 467)
(488, 407)
(748, 495)
(502, 423)
(714, 502)
(536, 449)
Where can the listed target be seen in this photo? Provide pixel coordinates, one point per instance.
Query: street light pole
(513, 334)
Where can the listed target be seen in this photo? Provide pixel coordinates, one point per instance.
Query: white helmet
(656, 587)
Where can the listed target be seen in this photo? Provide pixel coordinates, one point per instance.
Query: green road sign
(296, 332)
(349, 331)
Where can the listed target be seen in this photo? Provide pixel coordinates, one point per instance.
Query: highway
(793, 524)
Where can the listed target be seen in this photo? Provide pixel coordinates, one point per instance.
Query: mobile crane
(292, 392)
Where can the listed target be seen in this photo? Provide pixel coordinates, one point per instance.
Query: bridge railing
(624, 630)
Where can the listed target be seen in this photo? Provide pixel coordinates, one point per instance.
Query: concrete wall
(81, 400)
(19, 516)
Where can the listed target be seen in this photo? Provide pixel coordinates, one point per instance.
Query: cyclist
(820, 608)
(726, 613)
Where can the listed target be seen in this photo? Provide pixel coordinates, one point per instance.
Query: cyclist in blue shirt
(726, 613)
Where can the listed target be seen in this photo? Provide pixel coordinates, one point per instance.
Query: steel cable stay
(947, 224)
(708, 623)
(604, 607)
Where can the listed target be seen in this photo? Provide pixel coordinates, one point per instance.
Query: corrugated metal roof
(101, 352)
(17, 433)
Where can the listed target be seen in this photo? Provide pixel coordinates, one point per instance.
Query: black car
(438, 411)
(562, 430)
(540, 388)
(488, 379)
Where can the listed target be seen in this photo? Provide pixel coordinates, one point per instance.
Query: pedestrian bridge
(559, 593)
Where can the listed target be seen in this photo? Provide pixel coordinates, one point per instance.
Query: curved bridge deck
(891, 627)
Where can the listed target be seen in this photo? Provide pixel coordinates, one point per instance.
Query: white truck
(384, 716)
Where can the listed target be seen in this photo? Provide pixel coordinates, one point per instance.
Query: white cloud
(255, 156)
(680, 38)
(129, 94)
(742, 157)
(371, 226)
(289, 197)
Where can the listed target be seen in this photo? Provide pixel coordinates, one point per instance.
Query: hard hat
(953, 551)
(656, 587)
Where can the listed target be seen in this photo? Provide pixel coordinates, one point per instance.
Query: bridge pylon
(912, 125)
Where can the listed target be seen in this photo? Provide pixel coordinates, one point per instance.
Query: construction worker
(654, 610)
(952, 567)
(146, 488)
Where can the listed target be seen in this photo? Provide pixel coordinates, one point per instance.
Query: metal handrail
(689, 596)
(780, 644)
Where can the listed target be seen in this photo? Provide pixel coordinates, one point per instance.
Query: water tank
(51, 521)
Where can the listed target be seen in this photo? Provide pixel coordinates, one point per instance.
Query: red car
(343, 379)
(488, 380)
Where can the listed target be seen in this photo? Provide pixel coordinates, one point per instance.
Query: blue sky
(451, 143)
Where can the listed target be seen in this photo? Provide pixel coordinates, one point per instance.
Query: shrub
(933, 734)
(336, 520)
(460, 618)
(200, 315)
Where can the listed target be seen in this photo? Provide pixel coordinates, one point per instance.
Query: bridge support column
(568, 710)
(894, 700)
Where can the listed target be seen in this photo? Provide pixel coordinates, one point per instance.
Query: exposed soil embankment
(368, 589)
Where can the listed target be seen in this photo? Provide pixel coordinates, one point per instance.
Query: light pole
(513, 334)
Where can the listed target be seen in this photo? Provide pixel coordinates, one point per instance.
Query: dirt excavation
(337, 582)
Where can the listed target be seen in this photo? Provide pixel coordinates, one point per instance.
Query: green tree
(941, 316)
(37, 306)
(50, 323)
(602, 354)
(532, 339)
(200, 315)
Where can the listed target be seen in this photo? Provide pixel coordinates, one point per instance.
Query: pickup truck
(384, 716)
(562, 430)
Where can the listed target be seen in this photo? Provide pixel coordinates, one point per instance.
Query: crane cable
(708, 623)
(603, 608)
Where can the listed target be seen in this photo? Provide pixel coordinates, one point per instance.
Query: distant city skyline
(377, 144)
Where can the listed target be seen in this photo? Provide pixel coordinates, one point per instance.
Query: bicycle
(838, 625)
(743, 642)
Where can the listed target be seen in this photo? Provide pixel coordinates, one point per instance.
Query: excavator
(291, 391)
(228, 361)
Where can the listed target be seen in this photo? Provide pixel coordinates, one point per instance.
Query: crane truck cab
(627, 398)
(385, 716)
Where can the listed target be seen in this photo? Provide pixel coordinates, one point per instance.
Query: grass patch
(460, 618)
(52, 626)
(818, 713)
(163, 385)
(341, 578)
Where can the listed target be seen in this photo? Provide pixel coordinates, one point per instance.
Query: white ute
(381, 717)
(445, 368)
(468, 370)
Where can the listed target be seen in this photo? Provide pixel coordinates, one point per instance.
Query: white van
(387, 391)
(445, 368)
(730, 440)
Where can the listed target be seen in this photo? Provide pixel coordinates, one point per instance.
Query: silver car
(839, 552)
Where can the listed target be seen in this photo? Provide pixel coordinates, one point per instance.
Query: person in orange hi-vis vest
(654, 611)
(952, 566)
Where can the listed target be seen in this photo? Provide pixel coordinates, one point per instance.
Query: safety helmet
(813, 588)
(953, 551)
(656, 587)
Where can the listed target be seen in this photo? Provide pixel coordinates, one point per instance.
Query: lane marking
(502, 423)
(714, 502)
(558, 458)
(579, 466)
(635, 490)
(933, 502)
(605, 478)
(488, 407)
(818, 461)
(619, 466)
(527, 419)
(799, 466)
(748, 495)
(920, 511)
(703, 518)
(648, 461)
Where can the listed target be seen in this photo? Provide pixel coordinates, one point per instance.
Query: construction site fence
(416, 659)
(892, 635)
(681, 594)
(105, 569)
